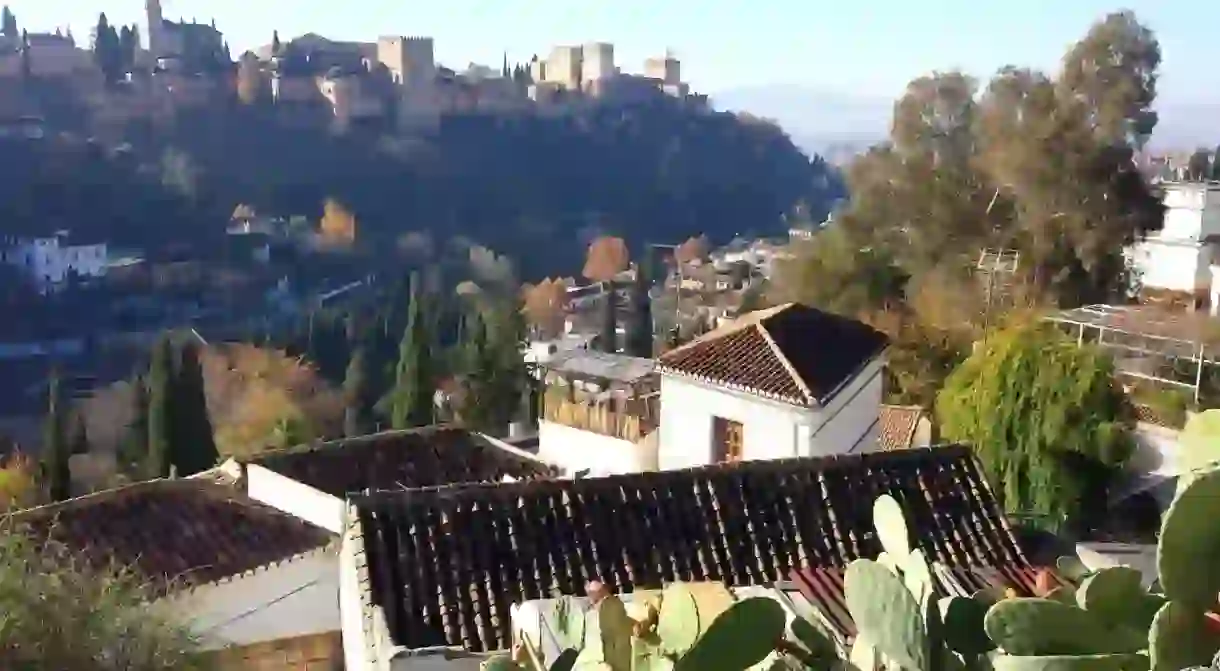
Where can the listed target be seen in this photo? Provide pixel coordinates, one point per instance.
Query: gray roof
(592, 363)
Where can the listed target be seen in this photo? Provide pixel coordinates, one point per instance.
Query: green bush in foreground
(56, 614)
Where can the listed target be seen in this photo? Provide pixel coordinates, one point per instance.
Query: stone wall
(318, 652)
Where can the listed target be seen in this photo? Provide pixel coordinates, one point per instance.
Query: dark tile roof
(897, 426)
(791, 353)
(426, 457)
(446, 563)
(176, 533)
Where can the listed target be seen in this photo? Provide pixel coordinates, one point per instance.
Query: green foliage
(640, 327)
(160, 410)
(57, 614)
(493, 374)
(57, 450)
(1045, 417)
(607, 337)
(358, 395)
(194, 446)
(414, 380)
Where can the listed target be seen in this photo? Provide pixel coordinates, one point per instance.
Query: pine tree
(414, 384)
(608, 341)
(478, 378)
(639, 333)
(8, 24)
(357, 395)
(56, 451)
(133, 447)
(194, 446)
(160, 410)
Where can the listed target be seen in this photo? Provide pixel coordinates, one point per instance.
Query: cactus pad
(1025, 627)
(891, 528)
(1122, 662)
(1190, 543)
(741, 637)
(1117, 598)
(886, 611)
(1179, 637)
(678, 624)
(962, 626)
(499, 663)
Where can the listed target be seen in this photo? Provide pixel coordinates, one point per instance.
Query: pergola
(1141, 335)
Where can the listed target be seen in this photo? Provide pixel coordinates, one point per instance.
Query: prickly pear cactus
(1189, 546)
(743, 635)
(886, 611)
(678, 623)
(1199, 448)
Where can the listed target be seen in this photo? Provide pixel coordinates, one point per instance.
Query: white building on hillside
(1177, 259)
(791, 381)
(49, 262)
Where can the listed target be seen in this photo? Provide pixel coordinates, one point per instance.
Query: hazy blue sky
(870, 48)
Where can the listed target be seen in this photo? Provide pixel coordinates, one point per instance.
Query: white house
(598, 413)
(1178, 258)
(48, 262)
(790, 381)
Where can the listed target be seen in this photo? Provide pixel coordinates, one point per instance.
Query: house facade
(1177, 259)
(49, 262)
(791, 381)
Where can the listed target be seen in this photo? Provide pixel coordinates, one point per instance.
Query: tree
(607, 256)
(57, 452)
(608, 336)
(546, 306)
(63, 614)
(18, 483)
(640, 329)
(414, 380)
(1046, 418)
(249, 79)
(107, 51)
(78, 435)
(1199, 167)
(338, 225)
(160, 410)
(493, 372)
(133, 444)
(693, 249)
(1215, 173)
(194, 444)
(8, 24)
(128, 45)
(276, 48)
(358, 395)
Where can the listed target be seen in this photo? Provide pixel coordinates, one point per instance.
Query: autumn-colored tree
(338, 225)
(249, 79)
(606, 258)
(18, 483)
(546, 306)
(693, 249)
(254, 394)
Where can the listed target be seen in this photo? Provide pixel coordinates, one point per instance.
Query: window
(727, 439)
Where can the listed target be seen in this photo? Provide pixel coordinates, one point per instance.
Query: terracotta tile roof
(177, 533)
(791, 353)
(446, 563)
(898, 424)
(430, 456)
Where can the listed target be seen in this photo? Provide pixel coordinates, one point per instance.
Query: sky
(859, 48)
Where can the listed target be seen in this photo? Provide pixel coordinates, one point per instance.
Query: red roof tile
(791, 353)
(898, 424)
(175, 533)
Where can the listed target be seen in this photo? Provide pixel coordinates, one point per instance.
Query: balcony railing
(629, 419)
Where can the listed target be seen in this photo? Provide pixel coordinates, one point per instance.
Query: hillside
(535, 188)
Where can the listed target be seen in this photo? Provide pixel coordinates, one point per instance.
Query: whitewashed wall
(773, 430)
(297, 597)
(294, 498)
(574, 450)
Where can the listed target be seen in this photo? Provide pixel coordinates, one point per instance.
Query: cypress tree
(608, 340)
(194, 446)
(639, 333)
(133, 449)
(414, 385)
(160, 410)
(78, 438)
(56, 451)
(357, 395)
